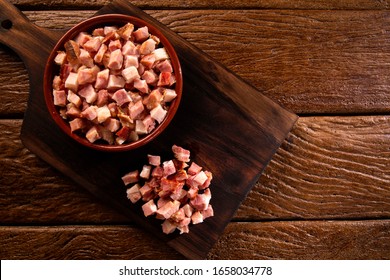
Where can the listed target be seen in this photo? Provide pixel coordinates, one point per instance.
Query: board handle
(28, 40)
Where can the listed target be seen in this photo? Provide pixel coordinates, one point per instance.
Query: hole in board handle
(6, 24)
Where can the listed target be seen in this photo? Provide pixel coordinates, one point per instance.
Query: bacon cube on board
(169, 194)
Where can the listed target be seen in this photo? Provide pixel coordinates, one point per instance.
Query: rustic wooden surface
(325, 194)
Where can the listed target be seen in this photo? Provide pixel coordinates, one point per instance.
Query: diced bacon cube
(153, 99)
(141, 34)
(130, 74)
(129, 48)
(194, 169)
(109, 29)
(115, 82)
(136, 109)
(72, 111)
(140, 127)
(180, 175)
(102, 79)
(82, 38)
(207, 183)
(130, 60)
(141, 85)
(169, 167)
(178, 216)
(123, 132)
(164, 66)
(181, 153)
(98, 32)
(179, 194)
(87, 75)
(57, 82)
(169, 209)
(126, 31)
(192, 192)
(60, 58)
(77, 124)
(133, 193)
(72, 52)
(116, 60)
(112, 124)
(149, 208)
(89, 93)
(71, 82)
(169, 95)
(197, 218)
(154, 160)
(131, 177)
(121, 97)
(200, 178)
(149, 123)
(93, 45)
(85, 58)
(160, 54)
(188, 210)
(147, 47)
(100, 54)
(201, 201)
(148, 61)
(115, 45)
(150, 77)
(158, 113)
(93, 134)
(102, 98)
(168, 227)
(103, 113)
(90, 113)
(74, 98)
(59, 98)
(146, 192)
(145, 173)
(162, 201)
(164, 79)
(209, 212)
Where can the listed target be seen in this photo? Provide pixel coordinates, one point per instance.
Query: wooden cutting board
(230, 127)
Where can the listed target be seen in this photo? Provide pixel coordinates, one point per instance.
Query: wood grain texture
(215, 4)
(311, 62)
(328, 168)
(260, 126)
(305, 240)
(268, 240)
(81, 242)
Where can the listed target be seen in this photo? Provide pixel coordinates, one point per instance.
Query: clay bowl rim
(89, 25)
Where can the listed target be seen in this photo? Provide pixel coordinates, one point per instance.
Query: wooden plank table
(324, 195)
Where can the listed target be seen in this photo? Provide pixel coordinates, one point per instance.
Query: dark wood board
(230, 127)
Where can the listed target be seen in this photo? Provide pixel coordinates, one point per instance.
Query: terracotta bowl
(52, 69)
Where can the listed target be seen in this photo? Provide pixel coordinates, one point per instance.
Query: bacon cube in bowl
(114, 73)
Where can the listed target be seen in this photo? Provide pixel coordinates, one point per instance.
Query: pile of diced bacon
(175, 191)
(114, 85)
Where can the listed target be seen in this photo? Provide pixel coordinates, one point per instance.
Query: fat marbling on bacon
(111, 79)
(174, 191)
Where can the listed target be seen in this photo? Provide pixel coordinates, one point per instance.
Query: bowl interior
(88, 25)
